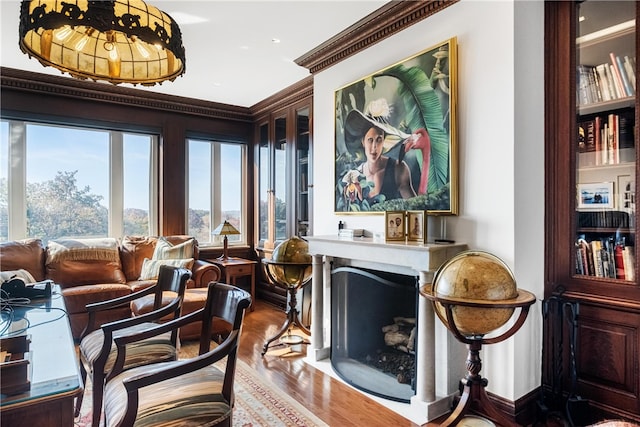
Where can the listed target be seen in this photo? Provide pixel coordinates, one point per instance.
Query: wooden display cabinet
(591, 217)
(284, 182)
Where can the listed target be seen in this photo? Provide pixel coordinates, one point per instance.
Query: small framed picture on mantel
(394, 226)
(417, 226)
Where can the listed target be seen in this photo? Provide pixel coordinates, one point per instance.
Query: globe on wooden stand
(473, 294)
(289, 268)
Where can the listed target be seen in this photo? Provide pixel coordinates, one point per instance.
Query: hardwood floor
(332, 401)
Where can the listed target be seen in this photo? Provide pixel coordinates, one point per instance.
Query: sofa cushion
(27, 254)
(134, 249)
(73, 262)
(167, 250)
(151, 267)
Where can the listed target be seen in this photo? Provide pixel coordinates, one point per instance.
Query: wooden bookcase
(591, 177)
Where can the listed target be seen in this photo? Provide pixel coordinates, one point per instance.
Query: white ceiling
(230, 54)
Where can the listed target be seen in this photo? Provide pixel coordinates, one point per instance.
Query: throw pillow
(151, 267)
(165, 250)
(20, 274)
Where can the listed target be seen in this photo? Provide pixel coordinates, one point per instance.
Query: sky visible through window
(51, 149)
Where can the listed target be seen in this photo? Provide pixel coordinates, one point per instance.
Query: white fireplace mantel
(440, 361)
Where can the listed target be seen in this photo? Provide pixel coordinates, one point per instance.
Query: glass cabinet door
(303, 172)
(263, 184)
(280, 176)
(605, 173)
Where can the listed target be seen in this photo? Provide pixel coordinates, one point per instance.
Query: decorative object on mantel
(225, 229)
(395, 137)
(395, 226)
(417, 226)
(289, 268)
(474, 293)
(121, 41)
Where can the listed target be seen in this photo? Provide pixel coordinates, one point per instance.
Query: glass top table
(53, 363)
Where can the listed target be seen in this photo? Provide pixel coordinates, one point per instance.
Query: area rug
(258, 404)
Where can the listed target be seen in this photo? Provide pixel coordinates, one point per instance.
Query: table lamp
(225, 229)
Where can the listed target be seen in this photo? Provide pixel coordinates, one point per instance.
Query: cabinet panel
(607, 364)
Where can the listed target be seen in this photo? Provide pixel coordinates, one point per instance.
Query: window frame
(215, 185)
(17, 172)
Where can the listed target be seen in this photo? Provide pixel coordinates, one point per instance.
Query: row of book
(609, 81)
(608, 137)
(605, 257)
(603, 219)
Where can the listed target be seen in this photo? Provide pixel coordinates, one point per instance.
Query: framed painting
(596, 195)
(394, 226)
(626, 193)
(416, 226)
(395, 137)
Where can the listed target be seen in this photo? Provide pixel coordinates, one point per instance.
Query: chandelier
(121, 41)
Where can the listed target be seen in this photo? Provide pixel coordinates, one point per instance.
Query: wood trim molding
(375, 27)
(286, 97)
(27, 81)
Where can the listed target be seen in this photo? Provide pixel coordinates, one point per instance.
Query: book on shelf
(630, 69)
(608, 138)
(624, 79)
(628, 263)
(606, 257)
(586, 136)
(619, 263)
(608, 81)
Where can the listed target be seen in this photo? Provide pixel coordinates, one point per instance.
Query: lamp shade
(225, 229)
(122, 41)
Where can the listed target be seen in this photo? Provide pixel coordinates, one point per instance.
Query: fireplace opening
(374, 332)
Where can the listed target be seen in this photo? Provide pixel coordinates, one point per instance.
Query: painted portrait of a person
(393, 138)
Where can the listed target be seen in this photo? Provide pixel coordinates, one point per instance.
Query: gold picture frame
(417, 226)
(394, 226)
(411, 106)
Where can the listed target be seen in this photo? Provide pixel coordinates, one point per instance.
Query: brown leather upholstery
(89, 281)
(27, 254)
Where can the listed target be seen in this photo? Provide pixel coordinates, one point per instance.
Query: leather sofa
(93, 270)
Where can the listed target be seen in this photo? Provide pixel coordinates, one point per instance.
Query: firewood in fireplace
(401, 334)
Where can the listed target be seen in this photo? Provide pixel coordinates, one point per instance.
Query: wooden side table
(233, 268)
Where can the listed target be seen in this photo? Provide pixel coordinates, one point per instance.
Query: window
(216, 190)
(66, 182)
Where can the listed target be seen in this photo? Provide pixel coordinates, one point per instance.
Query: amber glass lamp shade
(122, 41)
(225, 229)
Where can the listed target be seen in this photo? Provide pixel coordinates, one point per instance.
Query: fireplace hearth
(371, 348)
(439, 357)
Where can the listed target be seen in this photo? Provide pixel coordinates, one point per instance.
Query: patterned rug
(258, 404)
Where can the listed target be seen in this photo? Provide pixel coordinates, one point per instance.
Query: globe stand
(473, 395)
(298, 272)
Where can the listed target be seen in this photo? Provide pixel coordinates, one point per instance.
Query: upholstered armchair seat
(180, 401)
(139, 353)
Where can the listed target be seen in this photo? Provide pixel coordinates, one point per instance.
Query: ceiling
(231, 55)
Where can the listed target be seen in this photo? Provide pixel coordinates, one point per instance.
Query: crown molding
(286, 97)
(28, 81)
(375, 27)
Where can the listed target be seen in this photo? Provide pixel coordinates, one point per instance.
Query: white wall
(501, 147)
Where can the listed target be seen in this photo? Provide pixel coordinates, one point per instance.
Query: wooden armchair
(184, 392)
(98, 353)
